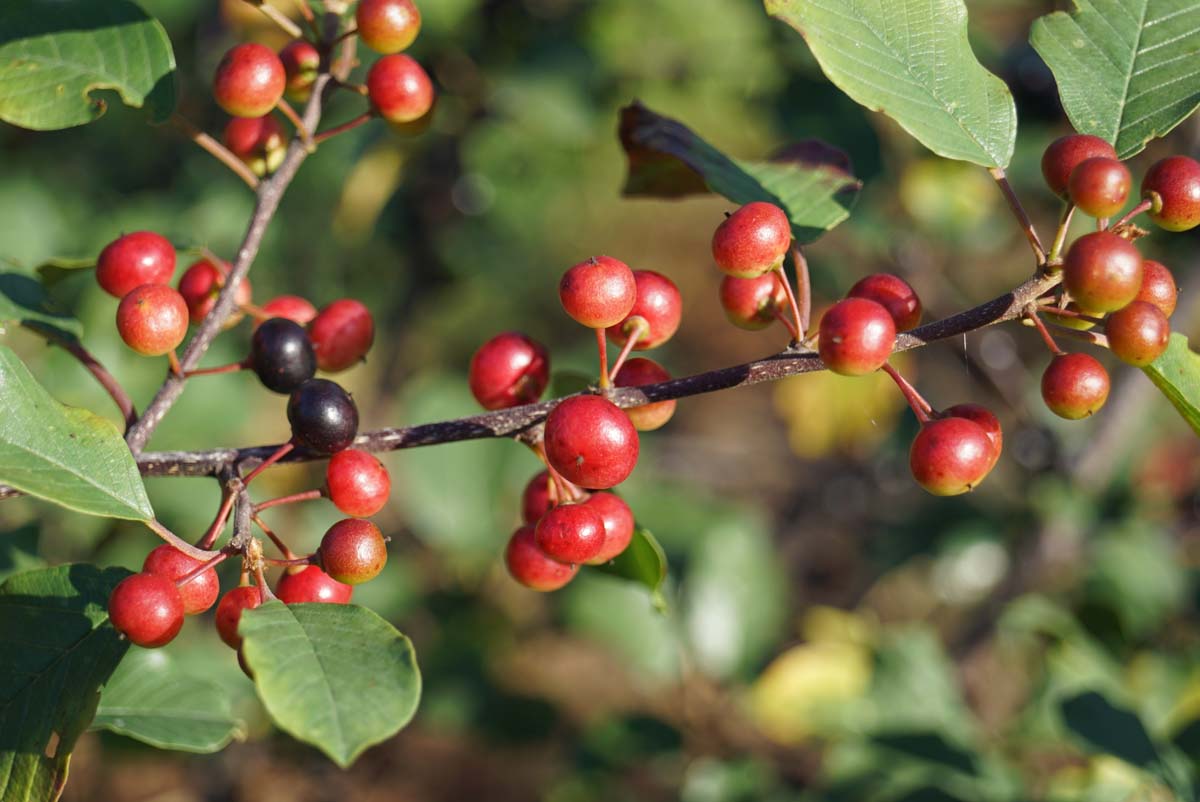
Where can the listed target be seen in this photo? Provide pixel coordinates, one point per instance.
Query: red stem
(920, 407)
(321, 136)
(789, 325)
(640, 329)
(92, 365)
(199, 569)
(269, 532)
(294, 119)
(269, 461)
(232, 367)
(1014, 205)
(293, 561)
(307, 495)
(1144, 206)
(210, 537)
(602, 346)
(1032, 316)
(791, 296)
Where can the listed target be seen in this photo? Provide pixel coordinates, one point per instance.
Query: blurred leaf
(59, 651)
(1125, 68)
(1109, 729)
(19, 551)
(569, 382)
(69, 456)
(52, 271)
(151, 699)
(644, 562)
(911, 60)
(929, 747)
(1177, 374)
(1138, 574)
(810, 180)
(55, 53)
(24, 301)
(336, 676)
(793, 697)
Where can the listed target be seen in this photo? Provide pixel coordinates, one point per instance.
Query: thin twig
(803, 290)
(276, 16)
(175, 540)
(216, 149)
(93, 366)
(1014, 203)
(320, 137)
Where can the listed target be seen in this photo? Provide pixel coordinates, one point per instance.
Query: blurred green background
(833, 632)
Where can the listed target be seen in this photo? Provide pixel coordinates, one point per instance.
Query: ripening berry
(198, 593)
(1138, 334)
(658, 307)
(1075, 386)
(281, 355)
(539, 496)
(1102, 271)
(301, 61)
(353, 551)
(260, 142)
(1066, 153)
(229, 612)
(893, 294)
(132, 260)
(293, 307)
(752, 240)
(1070, 321)
(1099, 186)
(387, 26)
(310, 584)
(599, 292)
(1173, 187)
(570, 533)
(636, 372)
(399, 89)
(152, 319)
(249, 81)
(618, 525)
(753, 303)
(200, 285)
(985, 419)
(1158, 286)
(950, 456)
(533, 569)
(856, 337)
(342, 333)
(323, 416)
(509, 370)
(357, 483)
(590, 441)
(147, 609)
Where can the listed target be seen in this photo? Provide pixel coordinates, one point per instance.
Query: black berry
(281, 355)
(323, 416)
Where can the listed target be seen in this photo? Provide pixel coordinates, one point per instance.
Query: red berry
(857, 337)
(752, 303)
(202, 282)
(538, 497)
(353, 551)
(658, 307)
(1065, 154)
(618, 525)
(301, 61)
(1102, 271)
(147, 609)
(229, 612)
(152, 319)
(1158, 286)
(509, 370)
(357, 483)
(893, 294)
(1100, 186)
(293, 307)
(250, 80)
(1138, 334)
(399, 89)
(985, 419)
(533, 569)
(636, 372)
(260, 142)
(342, 333)
(1173, 187)
(591, 442)
(198, 593)
(387, 26)
(950, 456)
(132, 260)
(311, 584)
(1074, 386)
(752, 240)
(599, 292)
(570, 533)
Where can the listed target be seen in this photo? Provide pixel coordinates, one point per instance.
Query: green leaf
(25, 302)
(1177, 374)
(19, 551)
(1126, 69)
(150, 698)
(59, 651)
(644, 562)
(52, 271)
(62, 454)
(55, 53)
(911, 60)
(810, 180)
(336, 676)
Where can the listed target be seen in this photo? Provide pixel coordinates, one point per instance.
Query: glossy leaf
(19, 551)
(150, 697)
(25, 302)
(336, 676)
(55, 53)
(810, 180)
(69, 456)
(911, 60)
(59, 650)
(1126, 69)
(1177, 374)
(644, 562)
